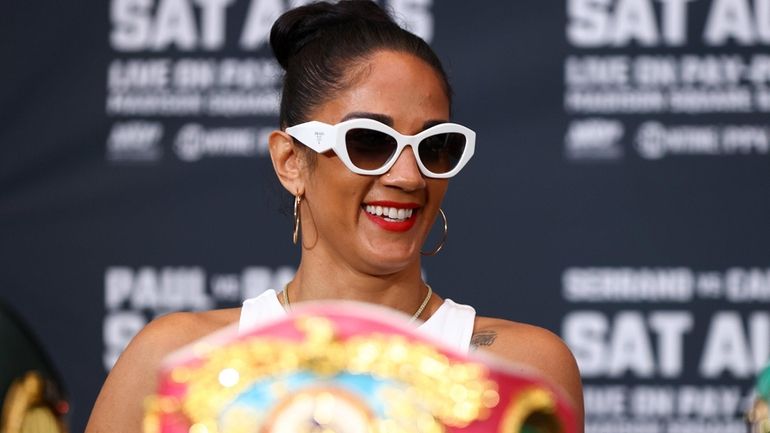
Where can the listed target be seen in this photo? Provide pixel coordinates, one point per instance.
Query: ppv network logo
(655, 140)
(194, 142)
(594, 139)
(135, 141)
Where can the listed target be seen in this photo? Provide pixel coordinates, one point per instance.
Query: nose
(405, 173)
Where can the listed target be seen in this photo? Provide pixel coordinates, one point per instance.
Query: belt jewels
(345, 368)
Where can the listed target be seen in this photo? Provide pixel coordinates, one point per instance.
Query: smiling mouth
(388, 213)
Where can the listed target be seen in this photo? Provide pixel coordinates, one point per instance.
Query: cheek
(335, 189)
(436, 190)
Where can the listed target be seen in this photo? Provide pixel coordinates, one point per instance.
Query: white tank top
(452, 323)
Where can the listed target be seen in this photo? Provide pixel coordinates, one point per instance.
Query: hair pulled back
(318, 43)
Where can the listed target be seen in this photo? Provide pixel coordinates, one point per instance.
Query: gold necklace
(287, 303)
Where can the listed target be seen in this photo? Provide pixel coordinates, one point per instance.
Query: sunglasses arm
(316, 135)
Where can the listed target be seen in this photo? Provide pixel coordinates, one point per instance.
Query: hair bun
(295, 28)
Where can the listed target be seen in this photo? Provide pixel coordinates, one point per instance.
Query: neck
(316, 279)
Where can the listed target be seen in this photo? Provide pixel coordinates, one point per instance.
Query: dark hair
(317, 44)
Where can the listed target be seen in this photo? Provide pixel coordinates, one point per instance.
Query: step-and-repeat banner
(618, 196)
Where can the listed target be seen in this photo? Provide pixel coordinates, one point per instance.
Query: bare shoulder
(533, 347)
(515, 340)
(172, 331)
(119, 407)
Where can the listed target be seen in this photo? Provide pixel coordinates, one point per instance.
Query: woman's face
(405, 93)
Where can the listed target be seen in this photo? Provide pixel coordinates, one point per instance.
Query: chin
(384, 263)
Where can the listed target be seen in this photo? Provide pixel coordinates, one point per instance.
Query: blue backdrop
(618, 194)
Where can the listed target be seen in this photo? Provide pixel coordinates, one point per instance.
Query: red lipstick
(393, 226)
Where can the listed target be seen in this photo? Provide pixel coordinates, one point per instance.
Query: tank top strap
(452, 323)
(260, 309)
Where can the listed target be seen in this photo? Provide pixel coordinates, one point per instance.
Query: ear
(288, 162)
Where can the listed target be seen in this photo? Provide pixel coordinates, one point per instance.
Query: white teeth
(390, 213)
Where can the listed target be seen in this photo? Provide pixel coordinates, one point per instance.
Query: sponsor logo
(194, 142)
(655, 140)
(135, 141)
(594, 139)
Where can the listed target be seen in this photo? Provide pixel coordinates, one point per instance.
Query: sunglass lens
(440, 153)
(369, 149)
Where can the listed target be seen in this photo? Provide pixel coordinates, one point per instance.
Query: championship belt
(346, 367)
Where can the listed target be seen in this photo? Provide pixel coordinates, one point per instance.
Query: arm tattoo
(482, 339)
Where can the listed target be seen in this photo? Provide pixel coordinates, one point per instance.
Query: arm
(120, 405)
(536, 348)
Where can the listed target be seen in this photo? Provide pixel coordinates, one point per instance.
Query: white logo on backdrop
(594, 139)
(135, 141)
(194, 142)
(655, 140)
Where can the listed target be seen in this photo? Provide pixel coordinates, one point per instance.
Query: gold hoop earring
(443, 239)
(297, 202)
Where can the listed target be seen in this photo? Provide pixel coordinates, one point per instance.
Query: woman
(355, 82)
